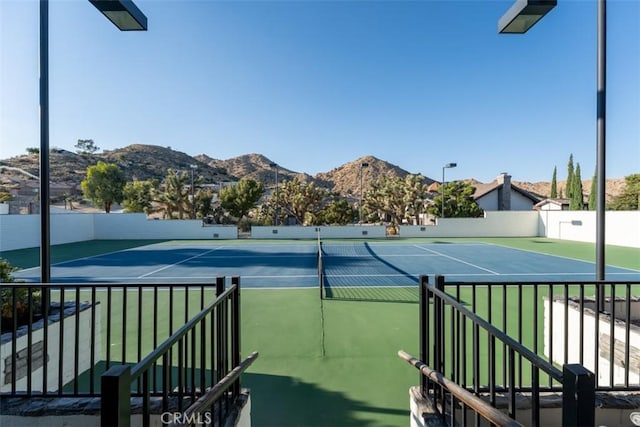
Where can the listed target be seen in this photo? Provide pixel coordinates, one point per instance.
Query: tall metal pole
(45, 225)
(601, 146)
(277, 200)
(442, 213)
(193, 191)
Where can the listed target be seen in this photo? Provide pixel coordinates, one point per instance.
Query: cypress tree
(554, 183)
(576, 202)
(593, 193)
(569, 187)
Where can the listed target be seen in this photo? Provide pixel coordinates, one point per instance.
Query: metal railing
(561, 322)
(465, 347)
(197, 368)
(87, 329)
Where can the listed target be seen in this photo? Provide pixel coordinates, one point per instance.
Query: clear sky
(316, 84)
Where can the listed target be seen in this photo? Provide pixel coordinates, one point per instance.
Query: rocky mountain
(140, 162)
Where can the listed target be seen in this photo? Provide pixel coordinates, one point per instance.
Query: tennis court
(332, 362)
(294, 264)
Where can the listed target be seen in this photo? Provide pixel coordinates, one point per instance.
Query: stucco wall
(23, 231)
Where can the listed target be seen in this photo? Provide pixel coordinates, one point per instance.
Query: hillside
(140, 162)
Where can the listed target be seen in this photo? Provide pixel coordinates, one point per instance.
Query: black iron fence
(500, 339)
(195, 373)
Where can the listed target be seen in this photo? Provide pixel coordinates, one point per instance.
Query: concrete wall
(137, 226)
(53, 354)
(23, 231)
(326, 232)
(494, 224)
(622, 228)
(555, 336)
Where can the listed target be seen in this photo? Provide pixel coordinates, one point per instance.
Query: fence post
(235, 333)
(578, 396)
(423, 329)
(115, 400)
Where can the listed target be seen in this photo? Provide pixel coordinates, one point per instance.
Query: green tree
(337, 212)
(33, 150)
(629, 199)
(570, 171)
(458, 201)
(385, 200)
(594, 192)
(203, 203)
(576, 201)
(174, 200)
(240, 198)
(554, 183)
(303, 201)
(415, 197)
(103, 185)
(86, 146)
(138, 196)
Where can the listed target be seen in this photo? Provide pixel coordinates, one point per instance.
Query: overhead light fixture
(123, 13)
(523, 15)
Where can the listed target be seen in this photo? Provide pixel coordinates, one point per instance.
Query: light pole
(275, 210)
(362, 166)
(193, 195)
(127, 17)
(527, 13)
(447, 166)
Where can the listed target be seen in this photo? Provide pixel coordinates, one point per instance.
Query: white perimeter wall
(622, 228)
(494, 224)
(23, 231)
(326, 232)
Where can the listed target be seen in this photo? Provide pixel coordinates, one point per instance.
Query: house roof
(484, 189)
(554, 201)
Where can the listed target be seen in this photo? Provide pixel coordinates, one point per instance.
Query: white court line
(457, 259)
(178, 263)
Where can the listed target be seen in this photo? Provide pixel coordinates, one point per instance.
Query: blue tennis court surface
(286, 265)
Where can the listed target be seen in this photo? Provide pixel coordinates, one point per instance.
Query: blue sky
(316, 84)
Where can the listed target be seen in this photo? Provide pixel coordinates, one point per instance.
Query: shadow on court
(285, 401)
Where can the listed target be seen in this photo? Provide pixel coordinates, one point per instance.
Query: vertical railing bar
(76, 346)
(627, 333)
(235, 332)
(535, 396)
(30, 304)
(124, 324)
(612, 338)
(596, 334)
(536, 318)
(92, 370)
(422, 329)
(566, 323)
(46, 303)
(550, 332)
(14, 338)
(581, 327)
(155, 335)
(140, 315)
(519, 287)
(512, 383)
(504, 329)
(492, 369)
(109, 317)
(166, 382)
(181, 351)
(146, 404)
(171, 332)
(61, 342)
(193, 365)
(186, 342)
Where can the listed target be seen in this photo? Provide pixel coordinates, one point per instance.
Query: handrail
(490, 413)
(165, 346)
(205, 401)
(532, 357)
